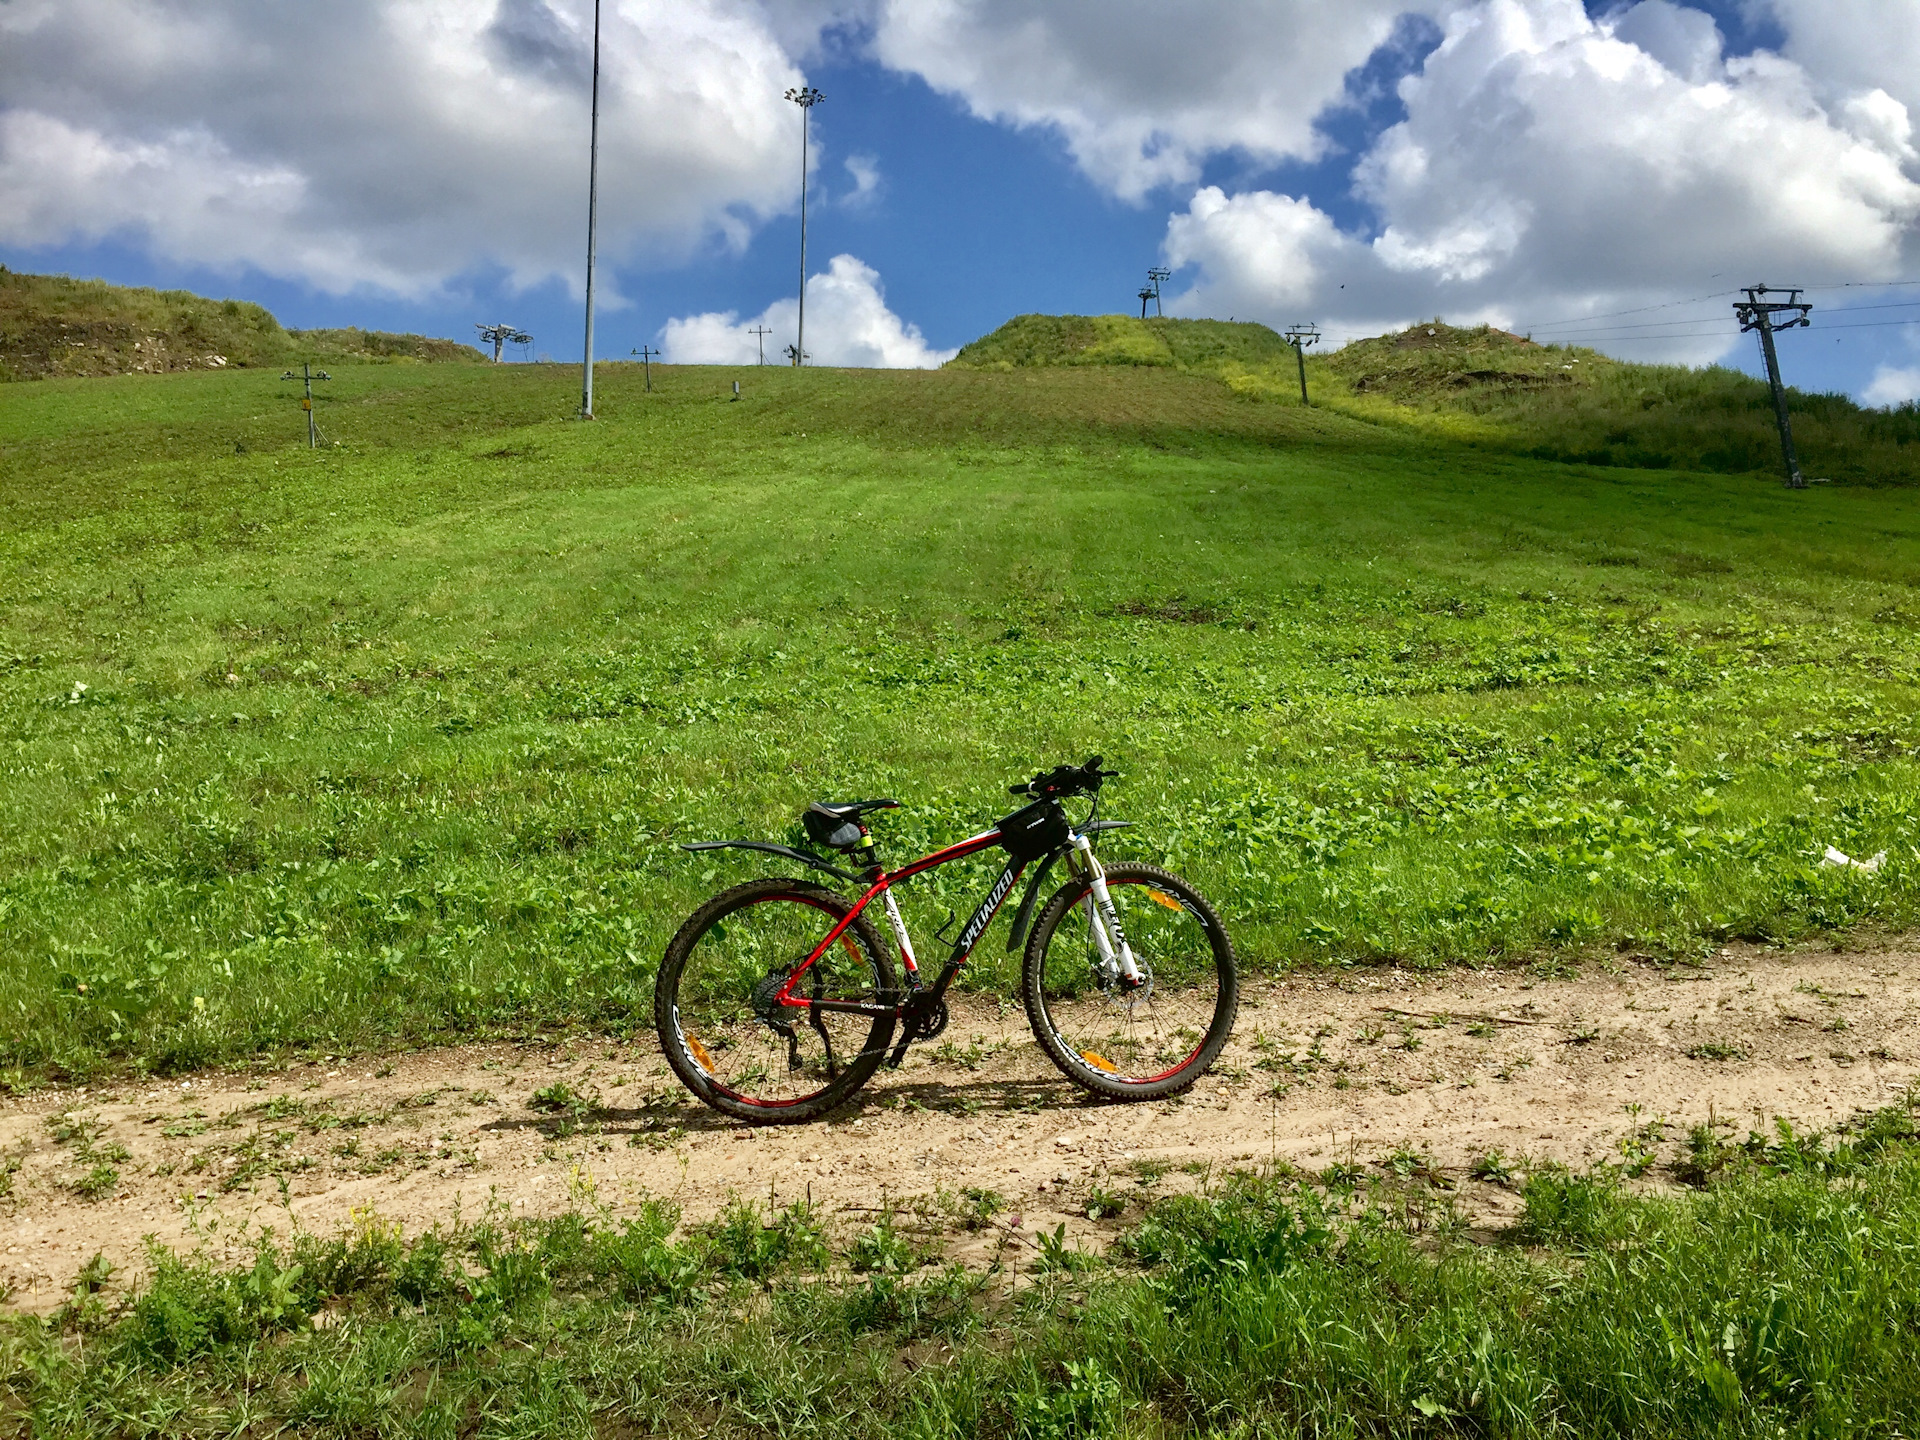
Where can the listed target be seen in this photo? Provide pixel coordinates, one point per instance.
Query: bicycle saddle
(837, 825)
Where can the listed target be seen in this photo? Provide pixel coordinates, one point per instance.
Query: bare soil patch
(1413, 1075)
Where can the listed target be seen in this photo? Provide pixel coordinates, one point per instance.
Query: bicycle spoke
(1127, 1031)
(730, 1023)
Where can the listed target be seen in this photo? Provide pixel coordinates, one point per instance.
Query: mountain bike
(778, 999)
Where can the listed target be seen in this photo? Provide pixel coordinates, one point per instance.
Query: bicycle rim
(736, 1044)
(1118, 1037)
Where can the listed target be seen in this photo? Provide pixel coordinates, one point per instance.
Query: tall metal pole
(593, 197)
(1795, 480)
(1757, 313)
(308, 375)
(1301, 336)
(806, 97)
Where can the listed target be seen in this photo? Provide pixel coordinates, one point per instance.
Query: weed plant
(397, 742)
(1781, 1300)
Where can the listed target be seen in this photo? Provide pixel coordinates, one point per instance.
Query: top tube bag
(1031, 832)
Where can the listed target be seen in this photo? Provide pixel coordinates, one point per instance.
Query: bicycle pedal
(899, 1052)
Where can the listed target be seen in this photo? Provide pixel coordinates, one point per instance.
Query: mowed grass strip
(396, 741)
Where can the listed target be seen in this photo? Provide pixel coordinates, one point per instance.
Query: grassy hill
(1483, 387)
(396, 740)
(1556, 402)
(305, 752)
(1207, 346)
(53, 325)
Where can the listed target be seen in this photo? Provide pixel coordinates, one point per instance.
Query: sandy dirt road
(1355, 1067)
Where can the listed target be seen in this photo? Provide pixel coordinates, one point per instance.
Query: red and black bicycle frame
(880, 886)
(919, 997)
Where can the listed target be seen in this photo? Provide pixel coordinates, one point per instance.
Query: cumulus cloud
(1143, 92)
(1893, 385)
(848, 323)
(1557, 150)
(1277, 258)
(1555, 165)
(393, 143)
(1852, 47)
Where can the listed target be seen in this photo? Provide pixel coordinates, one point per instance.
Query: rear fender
(785, 852)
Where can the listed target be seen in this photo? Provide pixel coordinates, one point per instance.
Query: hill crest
(56, 325)
(1047, 340)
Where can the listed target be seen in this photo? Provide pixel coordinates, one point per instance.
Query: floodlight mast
(806, 97)
(593, 196)
(1301, 336)
(1758, 313)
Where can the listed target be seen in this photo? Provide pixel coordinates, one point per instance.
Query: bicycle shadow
(667, 1115)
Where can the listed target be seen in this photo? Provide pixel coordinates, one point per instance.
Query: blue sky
(1026, 160)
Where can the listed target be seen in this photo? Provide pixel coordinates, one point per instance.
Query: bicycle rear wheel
(1142, 1041)
(725, 1036)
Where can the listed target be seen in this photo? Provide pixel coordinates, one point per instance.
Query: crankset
(923, 1021)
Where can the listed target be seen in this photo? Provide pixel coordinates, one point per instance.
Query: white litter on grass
(1840, 860)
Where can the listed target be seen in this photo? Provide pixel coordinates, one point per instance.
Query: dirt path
(1355, 1068)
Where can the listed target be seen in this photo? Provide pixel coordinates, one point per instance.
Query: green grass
(52, 325)
(396, 741)
(1486, 388)
(1780, 1301)
(1204, 346)
(1561, 402)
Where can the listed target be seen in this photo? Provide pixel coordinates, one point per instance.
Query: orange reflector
(1098, 1061)
(699, 1053)
(1160, 897)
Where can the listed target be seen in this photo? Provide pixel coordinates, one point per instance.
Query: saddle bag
(834, 832)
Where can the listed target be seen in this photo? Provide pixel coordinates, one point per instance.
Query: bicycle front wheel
(1131, 1040)
(722, 1029)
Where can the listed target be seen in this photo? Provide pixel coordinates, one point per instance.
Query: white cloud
(1542, 145)
(848, 323)
(393, 143)
(1852, 47)
(1142, 91)
(864, 171)
(1279, 259)
(1552, 165)
(1893, 386)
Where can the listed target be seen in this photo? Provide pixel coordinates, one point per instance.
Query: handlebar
(1064, 780)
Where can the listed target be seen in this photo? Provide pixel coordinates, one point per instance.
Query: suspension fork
(1103, 920)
